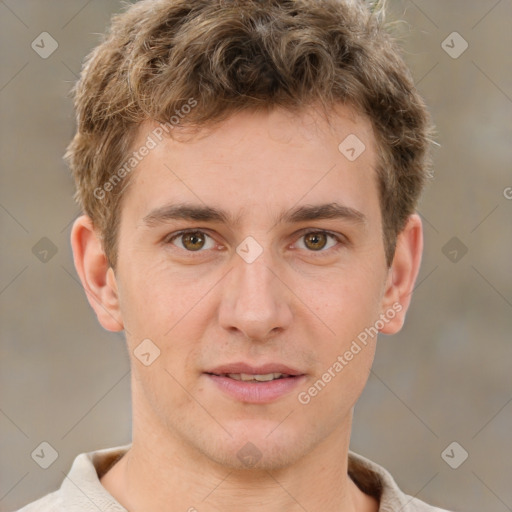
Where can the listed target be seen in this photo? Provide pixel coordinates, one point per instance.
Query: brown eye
(321, 242)
(315, 241)
(193, 241)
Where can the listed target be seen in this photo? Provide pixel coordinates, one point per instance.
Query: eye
(317, 241)
(192, 241)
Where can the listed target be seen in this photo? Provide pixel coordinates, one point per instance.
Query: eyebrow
(192, 212)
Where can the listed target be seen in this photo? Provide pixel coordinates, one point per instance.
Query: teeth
(259, 378)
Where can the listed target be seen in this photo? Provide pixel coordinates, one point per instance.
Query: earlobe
(97, 277)
(402, 275)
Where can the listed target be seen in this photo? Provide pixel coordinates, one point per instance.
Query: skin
(301, 302)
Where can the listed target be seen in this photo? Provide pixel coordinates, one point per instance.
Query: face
(253, 249)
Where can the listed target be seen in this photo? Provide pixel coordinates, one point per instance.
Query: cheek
(347, 301)
(168, 308)
(344, 362)
(154, 297)
(349, 306)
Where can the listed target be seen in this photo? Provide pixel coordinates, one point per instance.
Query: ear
(98, 278)
(402, 275)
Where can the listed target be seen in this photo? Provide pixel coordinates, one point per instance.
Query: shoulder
(81, 490)
(376, 481)
(416, 505)
(52, 502)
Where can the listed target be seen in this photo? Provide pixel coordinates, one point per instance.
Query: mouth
(248, 371)
(247, 377)
(250, 384)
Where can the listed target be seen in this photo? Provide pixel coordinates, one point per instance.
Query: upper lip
(263, 369)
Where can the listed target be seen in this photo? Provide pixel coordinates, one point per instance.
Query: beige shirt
(81, 490)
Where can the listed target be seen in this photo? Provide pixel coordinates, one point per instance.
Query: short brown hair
(232, 55)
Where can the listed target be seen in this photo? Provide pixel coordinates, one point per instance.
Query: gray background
(446, 377)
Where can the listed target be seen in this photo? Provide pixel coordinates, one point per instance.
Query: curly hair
(225, 56)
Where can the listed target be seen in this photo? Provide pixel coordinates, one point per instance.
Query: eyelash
(338, 238)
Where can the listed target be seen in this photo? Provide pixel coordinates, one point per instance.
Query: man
(248, 172)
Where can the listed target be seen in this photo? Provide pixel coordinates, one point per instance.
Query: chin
(258, 447)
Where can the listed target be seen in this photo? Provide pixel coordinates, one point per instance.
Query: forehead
(258, 163)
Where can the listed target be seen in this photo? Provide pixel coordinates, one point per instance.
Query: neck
(162, 473)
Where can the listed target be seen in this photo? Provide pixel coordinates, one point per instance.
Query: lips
(255, 384)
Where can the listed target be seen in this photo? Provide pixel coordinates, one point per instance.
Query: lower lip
(257, 392)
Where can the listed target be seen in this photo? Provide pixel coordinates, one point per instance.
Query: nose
(255, 301)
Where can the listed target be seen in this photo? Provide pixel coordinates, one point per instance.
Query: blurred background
(437, 410)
